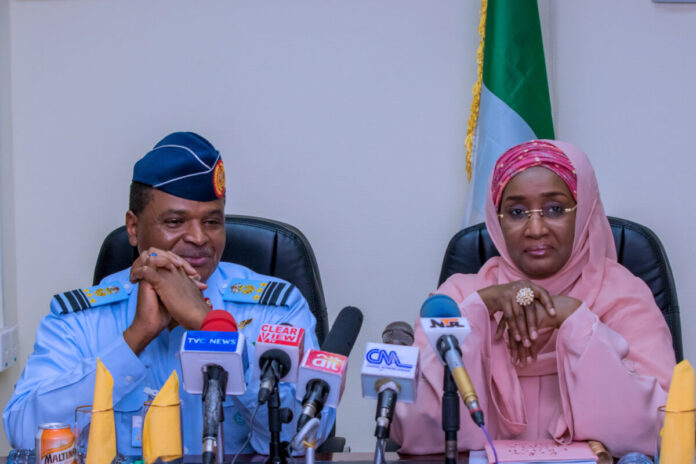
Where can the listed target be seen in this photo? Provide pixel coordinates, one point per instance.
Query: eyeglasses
(553, 213)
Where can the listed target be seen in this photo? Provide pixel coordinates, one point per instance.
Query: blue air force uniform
(88, 323)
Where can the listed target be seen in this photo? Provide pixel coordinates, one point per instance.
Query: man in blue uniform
(135, 319)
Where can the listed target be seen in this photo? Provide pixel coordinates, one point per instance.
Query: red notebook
(540, 451)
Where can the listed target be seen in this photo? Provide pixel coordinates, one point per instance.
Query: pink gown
(595, 378)
(601, 376)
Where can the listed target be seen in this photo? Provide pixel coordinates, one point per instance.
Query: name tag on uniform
(137, 431)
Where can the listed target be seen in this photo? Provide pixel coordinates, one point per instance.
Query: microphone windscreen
(344, 331)
(281, 357)
(440, 306)
(398, 333)
(219, 320)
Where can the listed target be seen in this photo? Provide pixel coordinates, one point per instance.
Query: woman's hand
(522, 323)
(565, 306)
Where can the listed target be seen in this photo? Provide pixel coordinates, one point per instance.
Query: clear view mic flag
(284, 338)
(279, 348)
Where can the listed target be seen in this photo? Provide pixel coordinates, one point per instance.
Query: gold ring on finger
(525, 296)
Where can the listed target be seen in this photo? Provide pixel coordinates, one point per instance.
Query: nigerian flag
(511, 98)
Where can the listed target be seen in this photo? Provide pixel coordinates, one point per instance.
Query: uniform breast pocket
(128, 414)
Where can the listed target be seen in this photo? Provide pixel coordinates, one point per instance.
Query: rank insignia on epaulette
(85, 298)
(258, 292)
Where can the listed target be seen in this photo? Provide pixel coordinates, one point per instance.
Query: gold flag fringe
(476, 91)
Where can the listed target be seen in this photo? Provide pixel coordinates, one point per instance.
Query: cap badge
(219, 179)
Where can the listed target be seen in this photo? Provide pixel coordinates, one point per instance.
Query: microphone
(216, 350)
(322, 375)
(446, 330)
(279, 348)
(390, 372)
(217, 343)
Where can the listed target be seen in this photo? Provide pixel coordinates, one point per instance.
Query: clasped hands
(522, 323)
(169, 293)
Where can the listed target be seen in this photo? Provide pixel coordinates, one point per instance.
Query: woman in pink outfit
(586, 355)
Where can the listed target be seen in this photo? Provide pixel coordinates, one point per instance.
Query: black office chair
(637, 247)
(268, 247)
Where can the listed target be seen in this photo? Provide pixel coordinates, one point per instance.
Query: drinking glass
(683, 420)
(83, 421)
(164, 418)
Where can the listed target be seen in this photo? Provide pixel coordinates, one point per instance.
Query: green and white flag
(511, 99)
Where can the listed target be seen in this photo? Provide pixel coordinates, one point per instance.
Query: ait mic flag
(511, 101)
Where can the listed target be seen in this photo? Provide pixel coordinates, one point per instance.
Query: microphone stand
(386, 401)
(379, 451)
(277, 416)
(450, 416)
(214, 386)
(306, 439)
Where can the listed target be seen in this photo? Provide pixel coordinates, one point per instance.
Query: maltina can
(55, 444)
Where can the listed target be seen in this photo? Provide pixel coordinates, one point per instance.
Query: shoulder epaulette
(266, 292)
(85, 298)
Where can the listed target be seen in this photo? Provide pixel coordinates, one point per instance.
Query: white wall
(5, 129)
(344, 118)
(623, 75)
(7, 232)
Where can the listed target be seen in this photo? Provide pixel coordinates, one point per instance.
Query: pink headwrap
(527, 155)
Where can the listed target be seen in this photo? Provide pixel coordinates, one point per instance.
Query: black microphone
(274, 365)
(396, 333)
(339, 341)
